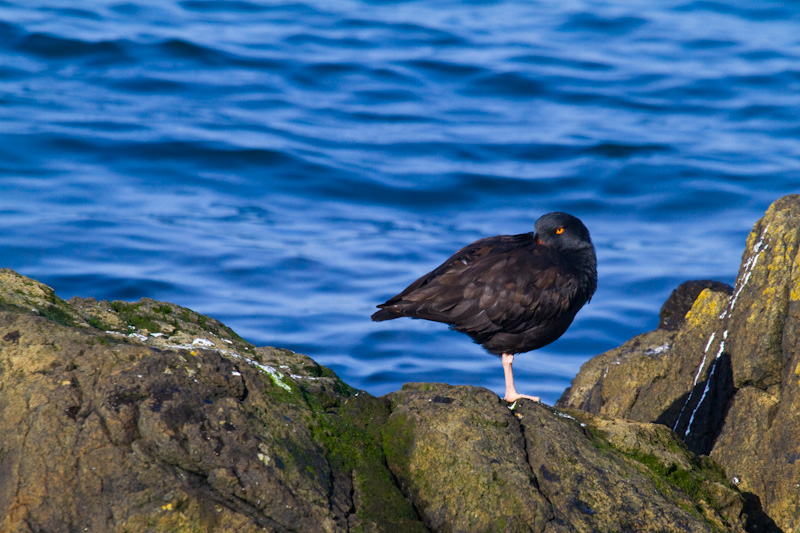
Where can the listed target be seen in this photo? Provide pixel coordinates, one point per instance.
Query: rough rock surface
(470, 464)
(109, 424)
(727, 380)
(147, 416)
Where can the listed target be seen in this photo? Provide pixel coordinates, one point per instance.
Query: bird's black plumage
(510, 293)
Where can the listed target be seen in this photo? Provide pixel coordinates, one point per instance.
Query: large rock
(727, 380)
(147, 416)
(469, 464)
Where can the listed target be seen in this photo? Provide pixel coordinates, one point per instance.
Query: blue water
(284, 167)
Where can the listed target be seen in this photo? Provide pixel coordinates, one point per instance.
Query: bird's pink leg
(511, 393)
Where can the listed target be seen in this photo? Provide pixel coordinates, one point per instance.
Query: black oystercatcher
(510, 293)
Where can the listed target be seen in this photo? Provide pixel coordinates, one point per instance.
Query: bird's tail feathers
(385, 314)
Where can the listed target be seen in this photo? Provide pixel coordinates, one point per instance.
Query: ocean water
(286, 166)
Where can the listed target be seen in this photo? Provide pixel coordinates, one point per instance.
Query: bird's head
(568, 236)
(563, 232)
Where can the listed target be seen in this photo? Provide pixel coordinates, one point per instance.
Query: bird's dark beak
(536, 239)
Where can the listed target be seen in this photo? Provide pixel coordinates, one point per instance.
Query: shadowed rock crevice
(701, 413)
(757, 521)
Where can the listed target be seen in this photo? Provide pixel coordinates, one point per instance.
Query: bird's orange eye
(559, 231)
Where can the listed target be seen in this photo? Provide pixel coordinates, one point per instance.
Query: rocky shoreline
(148, 416)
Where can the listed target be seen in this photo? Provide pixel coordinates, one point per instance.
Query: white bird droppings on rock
(199, 341)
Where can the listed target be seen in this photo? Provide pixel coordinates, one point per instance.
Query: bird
(510, 293)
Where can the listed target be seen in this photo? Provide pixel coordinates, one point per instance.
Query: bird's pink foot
(511, 393)
(513, 396)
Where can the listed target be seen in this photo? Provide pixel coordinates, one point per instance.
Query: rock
(468, 463)
(680, 302)
(647, 378)
(124, 430)
(460, 456)
(728, 379)
(147, 416)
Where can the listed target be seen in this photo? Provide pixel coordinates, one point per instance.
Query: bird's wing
(520, 291)
(447, 273)
(437, 292)
(495, 284)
